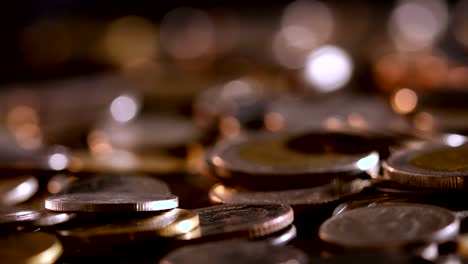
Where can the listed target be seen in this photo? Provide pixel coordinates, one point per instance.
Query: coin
(389, 226)
(318, 195)
(281, 237)
(432, 166)
(242, 221)
(125, 229)
(120, 161)
(118, 183)
(235, 252)
(153, 132)
(371, 258)
(291, 161)
(111, 202)
(30, 248)
(47, 218)
(15, 215)
(15, 190)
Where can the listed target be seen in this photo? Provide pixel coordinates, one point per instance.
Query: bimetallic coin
(120, 161)
(111, 202)
(241, 221)
(311, 196)
(292, 161)
(171, 223)
(432, 166)
(389, 226)
(227, 252)
(15, 190)
(30, 248)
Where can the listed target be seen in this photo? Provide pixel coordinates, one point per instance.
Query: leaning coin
(311, 196)
(240, 221)
(167, 224)
(15, 190)
(292, 161)
(30, 248)
(391, 226)
(111, 202)
(432, 166)
(235, 252)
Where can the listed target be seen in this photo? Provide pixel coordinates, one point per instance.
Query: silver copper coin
(433, 166)
(391, 226)
(241, 221)
(170, 223)
(235, 252)
(220, 193)
(292, 161)
(114, 194)
(14, 190)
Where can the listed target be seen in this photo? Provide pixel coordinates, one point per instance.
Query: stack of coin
(295, 169)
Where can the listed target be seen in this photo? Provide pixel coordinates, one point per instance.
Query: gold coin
(30, 248)
(171, 223)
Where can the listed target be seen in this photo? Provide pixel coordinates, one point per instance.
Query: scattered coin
(235, 252)
(292, 161)
(311, 196)
(241, 221)
(131, 228)
(30, 248)
(389, 226)
(432, 166)
(16, 190)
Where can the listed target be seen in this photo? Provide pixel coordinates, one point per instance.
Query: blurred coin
(23, 217)
(13, 215)
(331, 192)
(15, 190)
(292, 161)
(152, 132)
(47, 218)
(389, 226)
(240, 221)
(235, 252)
(131, 228)
(372, 258)
(119, 161)
(432, 166)
(118, 183)
(30, 248)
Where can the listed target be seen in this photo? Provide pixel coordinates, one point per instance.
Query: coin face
(235, 252)
(245, 221)
(389, 226)
(15, 190)
(311, 159)
(318, 195)
(432, 166)
(34, 248)
(167, 224)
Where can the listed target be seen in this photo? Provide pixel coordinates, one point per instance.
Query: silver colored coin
(13, 215)
(390, 226)
(17, 189)
(432, 166)
(227, 252)
(241, 221)
(111, 202)
(311, 196)
(48, 218)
